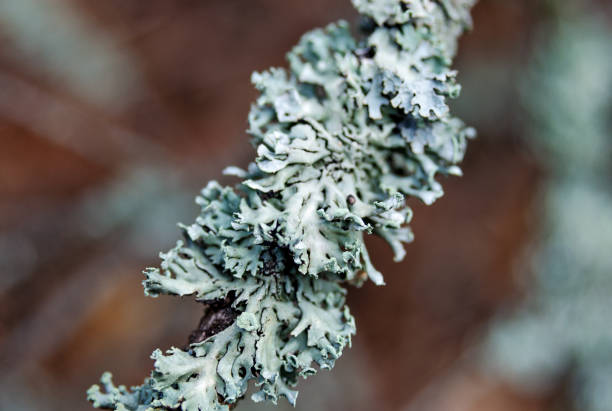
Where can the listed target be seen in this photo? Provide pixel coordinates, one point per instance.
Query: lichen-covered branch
(342, 137)
(562, 329)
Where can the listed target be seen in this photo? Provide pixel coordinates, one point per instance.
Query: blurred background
(114, 113)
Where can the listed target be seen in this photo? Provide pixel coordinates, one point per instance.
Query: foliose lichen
(561, 332)
(342, 137)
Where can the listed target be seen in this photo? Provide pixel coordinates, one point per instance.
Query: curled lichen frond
(342, 138)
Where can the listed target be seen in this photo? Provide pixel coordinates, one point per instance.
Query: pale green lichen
(562, 332)
(342, 137)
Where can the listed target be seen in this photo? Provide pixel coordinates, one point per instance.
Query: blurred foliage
(564, 325)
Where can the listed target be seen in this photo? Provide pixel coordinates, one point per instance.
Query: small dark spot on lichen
(218, 315)
(366, 52)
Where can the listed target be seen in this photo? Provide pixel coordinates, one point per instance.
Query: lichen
(342, 137)
(561, 332)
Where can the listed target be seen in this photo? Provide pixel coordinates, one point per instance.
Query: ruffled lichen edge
(342, 138)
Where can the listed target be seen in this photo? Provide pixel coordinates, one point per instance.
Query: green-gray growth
(564, 324)
(342, 137)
